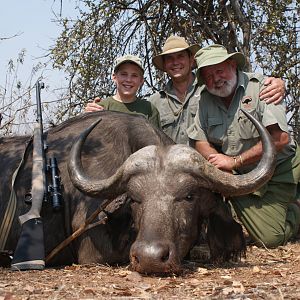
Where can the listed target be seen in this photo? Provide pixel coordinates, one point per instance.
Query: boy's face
(128, 78)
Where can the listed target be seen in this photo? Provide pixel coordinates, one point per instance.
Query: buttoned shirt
(177, 116)
(228, 129)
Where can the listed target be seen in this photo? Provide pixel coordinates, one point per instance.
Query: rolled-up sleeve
(271, 113)
(275, 114)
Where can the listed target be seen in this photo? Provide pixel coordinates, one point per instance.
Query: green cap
(128, 59)
(216, 54)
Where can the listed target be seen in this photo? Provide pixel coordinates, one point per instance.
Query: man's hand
(274, 91)
(222, 162)
(93, 106)
(219, 160)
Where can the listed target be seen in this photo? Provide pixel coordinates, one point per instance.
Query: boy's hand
(93, 106)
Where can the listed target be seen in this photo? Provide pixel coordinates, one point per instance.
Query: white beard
(226, 89)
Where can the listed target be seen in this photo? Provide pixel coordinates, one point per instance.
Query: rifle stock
(38, 177)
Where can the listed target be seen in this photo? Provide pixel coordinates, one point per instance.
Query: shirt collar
(168, 89)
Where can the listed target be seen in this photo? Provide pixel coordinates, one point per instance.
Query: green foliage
(267, 32)
(276, 50)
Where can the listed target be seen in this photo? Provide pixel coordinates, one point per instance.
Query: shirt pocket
(247, 129)
(193, 109)
(166, 120)
(215, 131)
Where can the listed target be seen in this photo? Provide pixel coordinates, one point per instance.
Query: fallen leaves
(264, 274)
(236, 287)
(202, 271)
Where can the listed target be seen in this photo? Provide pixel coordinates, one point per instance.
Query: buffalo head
(171, 187)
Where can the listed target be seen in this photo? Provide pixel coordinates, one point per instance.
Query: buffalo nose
(154, 257)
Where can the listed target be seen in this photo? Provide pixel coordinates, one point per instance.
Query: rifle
(30, 251)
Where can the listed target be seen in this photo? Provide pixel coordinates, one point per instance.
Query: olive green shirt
(139, 107)
(177, 116)
(229, 130)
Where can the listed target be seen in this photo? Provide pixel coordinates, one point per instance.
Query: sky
(31, 25)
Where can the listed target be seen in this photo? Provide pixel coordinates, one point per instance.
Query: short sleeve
(275, 114)
(196, 130)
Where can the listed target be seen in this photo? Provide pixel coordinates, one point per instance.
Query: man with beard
(228, 140)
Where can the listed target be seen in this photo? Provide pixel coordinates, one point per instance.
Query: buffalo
(161, 193)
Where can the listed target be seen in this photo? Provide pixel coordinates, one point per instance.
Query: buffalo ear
(225, 239)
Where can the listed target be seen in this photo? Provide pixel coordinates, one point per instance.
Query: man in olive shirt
(178, 101)
(227, 139)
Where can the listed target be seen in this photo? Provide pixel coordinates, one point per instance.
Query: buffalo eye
(189, 197)
(185, 197)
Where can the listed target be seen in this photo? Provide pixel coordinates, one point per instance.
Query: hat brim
(237, 56)
(158, 59)
(128, 61)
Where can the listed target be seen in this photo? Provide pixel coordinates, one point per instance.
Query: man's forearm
(205, 148)
(250, 156)
(225, 162)
(280, 139)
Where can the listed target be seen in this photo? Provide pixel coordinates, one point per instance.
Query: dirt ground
(263, 274)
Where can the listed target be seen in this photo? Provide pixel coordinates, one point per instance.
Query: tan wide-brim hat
(173, 44)
(216, 54)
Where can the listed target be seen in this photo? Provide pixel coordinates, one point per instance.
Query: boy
(128, 76)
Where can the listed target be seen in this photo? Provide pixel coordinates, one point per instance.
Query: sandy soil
(263, 274)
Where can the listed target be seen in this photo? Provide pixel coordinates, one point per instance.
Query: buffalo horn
(79, 178)
(113, 185)
(225, 183)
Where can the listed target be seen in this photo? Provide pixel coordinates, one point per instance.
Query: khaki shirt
(229, 130)
(175, 116)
